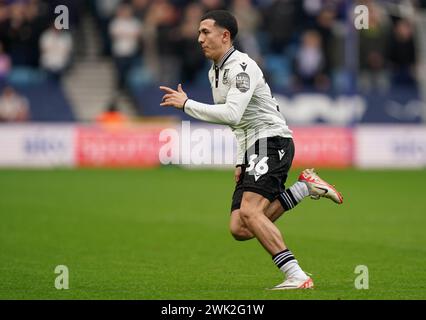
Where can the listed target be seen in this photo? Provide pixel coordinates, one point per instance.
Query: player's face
(212, 39)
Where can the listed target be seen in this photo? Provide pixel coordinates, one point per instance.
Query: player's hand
(173, 98)
(237, 174)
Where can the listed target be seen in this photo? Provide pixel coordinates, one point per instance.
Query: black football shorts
(265, 169)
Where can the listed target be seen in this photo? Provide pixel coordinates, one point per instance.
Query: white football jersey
(243, 100)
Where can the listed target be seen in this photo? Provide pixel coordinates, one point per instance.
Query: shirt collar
(225, 57)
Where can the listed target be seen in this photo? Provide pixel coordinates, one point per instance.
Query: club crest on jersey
(225, 76)
(243, 82)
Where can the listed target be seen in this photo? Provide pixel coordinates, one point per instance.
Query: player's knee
(240, 233)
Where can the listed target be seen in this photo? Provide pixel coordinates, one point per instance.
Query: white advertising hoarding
(37, 145)
(390, 146)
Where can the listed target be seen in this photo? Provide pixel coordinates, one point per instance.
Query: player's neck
(226, 50)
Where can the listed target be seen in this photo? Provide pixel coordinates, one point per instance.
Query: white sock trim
(299, 190)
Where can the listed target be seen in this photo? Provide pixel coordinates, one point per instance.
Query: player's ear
(226, 36)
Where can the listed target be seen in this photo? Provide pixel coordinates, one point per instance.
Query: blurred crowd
(31, 50)
(300, 44)
(28, 38)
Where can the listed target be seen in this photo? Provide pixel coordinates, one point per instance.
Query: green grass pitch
(163, 234)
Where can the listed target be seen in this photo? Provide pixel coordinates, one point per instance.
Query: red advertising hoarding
(323, 147)
(118, 147)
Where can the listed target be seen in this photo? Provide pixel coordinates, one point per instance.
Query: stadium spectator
(140, 8)
(125, 31)
(4, 19)
(402, 54)
(324, 25)
(13, 107)
(55, 51)
(311, 10)
(249, 20)
(160, 40)
(309, 64)
(22, 33)
(105, 11)
(190, 53)
(281, 21)
(373, 46)
(5, 63)
(112, 116)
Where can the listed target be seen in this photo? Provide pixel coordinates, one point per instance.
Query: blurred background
(116, 51)
(106, 65)
(87, 97)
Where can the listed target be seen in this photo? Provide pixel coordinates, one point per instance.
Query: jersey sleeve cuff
(183, 107)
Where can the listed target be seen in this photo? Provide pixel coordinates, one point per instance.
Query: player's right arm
(229, 113)
(242, 85)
